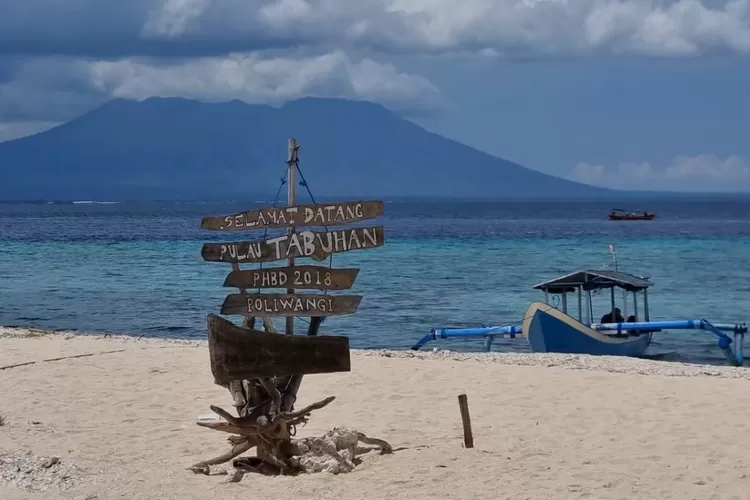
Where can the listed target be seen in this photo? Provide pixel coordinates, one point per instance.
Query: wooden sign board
(315, 244)
(241, 354)
(322, 214)
(297, 277)
(277, 304)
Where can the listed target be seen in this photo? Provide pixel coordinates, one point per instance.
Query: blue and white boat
(550, 328)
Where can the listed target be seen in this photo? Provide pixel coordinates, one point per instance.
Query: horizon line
(267, 198)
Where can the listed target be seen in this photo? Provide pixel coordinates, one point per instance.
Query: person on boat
(631, 319)
(614, 316)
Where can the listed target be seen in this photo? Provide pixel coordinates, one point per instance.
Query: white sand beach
(122, 424)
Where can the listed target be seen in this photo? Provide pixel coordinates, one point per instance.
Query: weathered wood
(272, 391)
(270, 430)
(248, 395)
(291, 200)
(238, 449)
(237, 353)
(463, 404)
(320, 214)
(293, 384)
(282, 304)
(299, 277)
(284, 455)
(314, 244)
(241, 393)
(239, 397)
(248, 322)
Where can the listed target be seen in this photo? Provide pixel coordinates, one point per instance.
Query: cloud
(701, 173)
(510, 28)
(45, 89)
(257, 78)
(54, 89)
(59, 59)
(174, 17)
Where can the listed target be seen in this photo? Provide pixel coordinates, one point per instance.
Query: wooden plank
(299, 277)
(239, 353)
(320, 214)
(293, 385)
(315, 244)
(283, 304)
(463, 406)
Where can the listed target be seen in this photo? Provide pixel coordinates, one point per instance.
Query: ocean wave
(94, 202)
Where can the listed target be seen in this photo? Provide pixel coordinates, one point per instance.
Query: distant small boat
(620, 214)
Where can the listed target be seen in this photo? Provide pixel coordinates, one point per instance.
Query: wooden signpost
(267, 304)
(299, 277)
(263, 369)
(315, 244)
(325, 214)
(254, 358)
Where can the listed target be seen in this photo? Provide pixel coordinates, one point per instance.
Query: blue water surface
(137, 269)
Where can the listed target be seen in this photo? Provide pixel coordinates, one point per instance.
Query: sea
(136, 269)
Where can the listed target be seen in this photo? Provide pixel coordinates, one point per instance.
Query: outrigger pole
(489, 333)
(735, 356)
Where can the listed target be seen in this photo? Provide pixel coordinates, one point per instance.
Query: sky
(630, 94)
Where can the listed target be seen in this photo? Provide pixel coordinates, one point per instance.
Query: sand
(122, 425)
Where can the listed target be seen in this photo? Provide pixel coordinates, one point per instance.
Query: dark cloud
(60, 58)
(145, 28)
(185, 28)
(112, 47)
(9, 66)
(47, 27)
(45, 89)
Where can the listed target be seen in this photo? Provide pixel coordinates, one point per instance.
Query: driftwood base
(278, 453)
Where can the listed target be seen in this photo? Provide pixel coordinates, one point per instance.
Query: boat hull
(550, 330)
(632, 217)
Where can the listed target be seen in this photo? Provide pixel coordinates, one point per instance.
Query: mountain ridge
(176, 148)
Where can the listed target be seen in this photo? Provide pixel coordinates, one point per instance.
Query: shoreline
(94, 417)
(607, 364)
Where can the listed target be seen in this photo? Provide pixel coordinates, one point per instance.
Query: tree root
(278, 454)
(238, 449)
(277, 427)
(385, 448)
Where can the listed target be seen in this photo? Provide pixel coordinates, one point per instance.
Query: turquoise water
(137, 269)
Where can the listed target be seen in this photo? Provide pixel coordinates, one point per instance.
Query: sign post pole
(291, 200)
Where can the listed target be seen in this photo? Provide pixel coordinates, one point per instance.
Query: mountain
(171, 148)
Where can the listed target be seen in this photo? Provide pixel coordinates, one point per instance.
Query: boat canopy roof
(594, 279)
